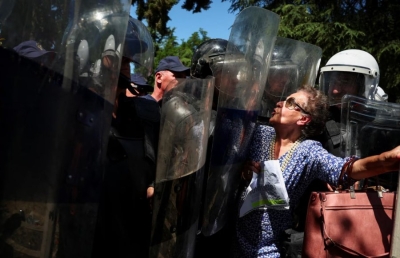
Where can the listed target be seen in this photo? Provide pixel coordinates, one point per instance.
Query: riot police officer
(207, 61)
(353, 72)
(123, 226)
(350, 72)
(54, 127)
(185, 117)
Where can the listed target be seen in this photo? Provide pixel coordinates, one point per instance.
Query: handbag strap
(329, 242)
(351, 251)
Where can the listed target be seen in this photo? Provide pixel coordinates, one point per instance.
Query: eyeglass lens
(291, 104)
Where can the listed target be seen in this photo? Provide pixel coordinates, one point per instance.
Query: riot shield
(371, 127)
(242, 81)
(185, 120)
(54, 123)
(139, 48)
(293, 63)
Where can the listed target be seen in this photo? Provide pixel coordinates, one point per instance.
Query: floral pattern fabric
(259, 233)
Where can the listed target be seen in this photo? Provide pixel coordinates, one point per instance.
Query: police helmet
(208, 58)
(353, 72)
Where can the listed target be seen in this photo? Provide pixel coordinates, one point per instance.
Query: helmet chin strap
(377, 93)
(136, 90)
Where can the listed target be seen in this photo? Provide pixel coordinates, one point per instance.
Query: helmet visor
(282, 81)
(337, 84)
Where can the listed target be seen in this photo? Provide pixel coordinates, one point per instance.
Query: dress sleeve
(260, 142)
(324, 165)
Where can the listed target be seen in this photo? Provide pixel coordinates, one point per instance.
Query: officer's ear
(158, 78)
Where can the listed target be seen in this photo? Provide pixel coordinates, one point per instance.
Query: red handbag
(349, 224)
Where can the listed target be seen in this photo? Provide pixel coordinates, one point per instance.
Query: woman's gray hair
(317, 106)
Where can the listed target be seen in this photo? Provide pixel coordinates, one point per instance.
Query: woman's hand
(375, 165)
(248, 169)
(390, 159)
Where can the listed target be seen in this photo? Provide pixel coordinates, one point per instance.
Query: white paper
(266, 189)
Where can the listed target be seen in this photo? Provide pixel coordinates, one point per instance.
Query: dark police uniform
(125, 212)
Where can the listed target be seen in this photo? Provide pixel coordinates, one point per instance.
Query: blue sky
(216, 20)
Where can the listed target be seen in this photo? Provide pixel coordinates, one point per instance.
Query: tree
(33, 20)
(185, 50)
(339, 25)
(333, 25)
(156, 13)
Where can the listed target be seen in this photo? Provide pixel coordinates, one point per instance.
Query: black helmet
(208, 58)
(134, 41)
(138, 47)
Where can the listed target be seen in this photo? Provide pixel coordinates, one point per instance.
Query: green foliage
(340, 25)
(333, 25)
(304, 23)
(196, 5)
(33, 20)
(184, 50)
(156, 15)
(389, 57)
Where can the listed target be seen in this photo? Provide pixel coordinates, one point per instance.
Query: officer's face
(277, 84)
(277, 87)
(125, 67)
(342, 83)
(165, 79)
(227, 79)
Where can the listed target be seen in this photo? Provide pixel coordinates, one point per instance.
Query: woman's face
(291, 110)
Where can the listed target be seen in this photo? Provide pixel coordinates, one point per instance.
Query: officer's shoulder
(147, 108)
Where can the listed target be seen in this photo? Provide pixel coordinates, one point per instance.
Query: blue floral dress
(259, 233)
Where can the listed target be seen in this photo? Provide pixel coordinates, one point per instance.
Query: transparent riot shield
(185, 120)
(242, 81)
(371, 127)
(138, 48)
(293, 63)
(54, 122)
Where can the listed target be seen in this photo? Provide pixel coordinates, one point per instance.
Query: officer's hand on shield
(150, 192)
(150, 195)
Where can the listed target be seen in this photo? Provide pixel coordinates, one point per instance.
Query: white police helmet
(352, 61)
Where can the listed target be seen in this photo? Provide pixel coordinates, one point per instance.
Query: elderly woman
(301, 115)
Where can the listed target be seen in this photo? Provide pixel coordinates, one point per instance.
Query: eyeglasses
(291, 104)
